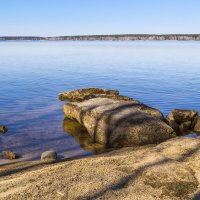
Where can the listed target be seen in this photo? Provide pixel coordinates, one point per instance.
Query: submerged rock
(82, 137)
(120, 123)
(9, 155)
(3, 129)
(49, 155)
(182, 120)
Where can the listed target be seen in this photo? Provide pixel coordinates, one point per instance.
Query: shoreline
(148, 156)
(145, 172)
(122, 37)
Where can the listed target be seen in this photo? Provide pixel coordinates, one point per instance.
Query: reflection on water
(192, 135)
(82, 137)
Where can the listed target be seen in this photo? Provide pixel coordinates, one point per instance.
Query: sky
(89, 17)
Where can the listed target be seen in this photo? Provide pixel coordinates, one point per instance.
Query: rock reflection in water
(192, 135)
(82, 137)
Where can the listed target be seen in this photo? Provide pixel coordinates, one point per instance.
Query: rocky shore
(150, 157)
(169, 170)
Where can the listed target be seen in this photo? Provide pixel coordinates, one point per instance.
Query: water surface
(164, 75)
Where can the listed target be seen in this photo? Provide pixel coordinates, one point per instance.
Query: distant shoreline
(124, 37)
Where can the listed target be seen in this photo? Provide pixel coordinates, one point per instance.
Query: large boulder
(120, 123)
(182, 121)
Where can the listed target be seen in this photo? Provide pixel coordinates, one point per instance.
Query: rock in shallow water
(3, 129)
(119, 123)
(184, 115)
(182, 120)
(49, 155)
(9, 155)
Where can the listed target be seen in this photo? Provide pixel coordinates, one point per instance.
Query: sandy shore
(169, 170)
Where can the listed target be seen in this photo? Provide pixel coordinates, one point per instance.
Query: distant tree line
(127, 37)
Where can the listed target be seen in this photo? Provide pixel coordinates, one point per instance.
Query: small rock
(181, 116)
(3, 129)
(49, 155)
(9, 155)
(182, 120)
(197, 124)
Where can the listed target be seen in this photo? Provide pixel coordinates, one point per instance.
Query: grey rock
(49, 155)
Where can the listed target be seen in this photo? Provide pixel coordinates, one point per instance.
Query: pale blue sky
(77, 17)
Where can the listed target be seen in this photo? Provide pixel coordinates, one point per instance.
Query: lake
(164, 75)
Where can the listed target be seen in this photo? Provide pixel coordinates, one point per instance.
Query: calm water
(164, 75)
